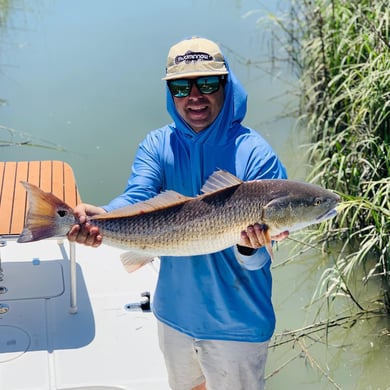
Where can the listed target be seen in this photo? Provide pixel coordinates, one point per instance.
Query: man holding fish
(214, 311)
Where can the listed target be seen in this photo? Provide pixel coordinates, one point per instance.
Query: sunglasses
(206, 85)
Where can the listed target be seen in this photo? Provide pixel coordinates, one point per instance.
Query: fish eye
(61, 213)
(317, 201)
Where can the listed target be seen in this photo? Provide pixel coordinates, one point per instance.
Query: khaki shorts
(227, 365)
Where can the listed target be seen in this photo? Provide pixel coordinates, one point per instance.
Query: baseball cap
(194, 57)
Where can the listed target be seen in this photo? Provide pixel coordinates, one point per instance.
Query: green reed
(340, 51)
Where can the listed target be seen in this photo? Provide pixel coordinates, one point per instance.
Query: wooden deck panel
(51, 176)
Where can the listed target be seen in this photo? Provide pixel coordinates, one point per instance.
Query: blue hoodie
(210, 296)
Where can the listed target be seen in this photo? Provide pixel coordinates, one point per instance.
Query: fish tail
(47, 216)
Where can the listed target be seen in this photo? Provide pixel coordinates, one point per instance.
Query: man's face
(200, 110)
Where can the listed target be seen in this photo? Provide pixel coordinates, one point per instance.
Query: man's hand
(255, 236)
(84, 233)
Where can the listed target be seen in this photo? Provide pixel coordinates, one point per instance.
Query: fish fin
(163, 200)
(268, 242)
(132, 261)
(44, 215)
(218, 180)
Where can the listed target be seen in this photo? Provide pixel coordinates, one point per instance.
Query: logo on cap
(191, 56)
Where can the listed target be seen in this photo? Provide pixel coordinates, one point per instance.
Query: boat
(71, 317)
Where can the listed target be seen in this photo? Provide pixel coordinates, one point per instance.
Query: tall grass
(4, 11)
(340, 51)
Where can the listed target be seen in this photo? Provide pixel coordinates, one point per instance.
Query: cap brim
(184, 75)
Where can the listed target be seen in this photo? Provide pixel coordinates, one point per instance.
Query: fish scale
(172, 224)
(208, 223)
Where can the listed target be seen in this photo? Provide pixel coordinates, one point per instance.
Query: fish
(172, 224)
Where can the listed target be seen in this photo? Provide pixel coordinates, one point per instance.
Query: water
(354, 355)
(84, 79)
(87, 76)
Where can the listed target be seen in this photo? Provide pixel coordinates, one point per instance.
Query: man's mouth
(197, 109)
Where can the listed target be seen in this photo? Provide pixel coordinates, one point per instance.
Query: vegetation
(340, 51)
(4, 10)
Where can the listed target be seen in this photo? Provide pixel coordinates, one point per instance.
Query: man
(215, 315)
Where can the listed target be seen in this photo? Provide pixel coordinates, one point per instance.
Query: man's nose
(195, 93)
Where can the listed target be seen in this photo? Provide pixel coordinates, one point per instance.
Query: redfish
(172, 224)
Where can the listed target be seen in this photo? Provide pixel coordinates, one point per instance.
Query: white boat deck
(102, 346)
(68, 324)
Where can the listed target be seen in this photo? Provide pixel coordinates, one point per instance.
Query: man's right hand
(84, 232)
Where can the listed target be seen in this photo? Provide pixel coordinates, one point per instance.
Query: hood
(231, 115)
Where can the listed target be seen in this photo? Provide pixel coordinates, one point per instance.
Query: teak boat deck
(51, 176)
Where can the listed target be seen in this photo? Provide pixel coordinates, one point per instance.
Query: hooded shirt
(210, 296)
